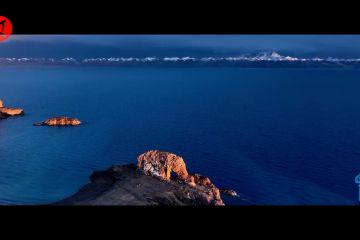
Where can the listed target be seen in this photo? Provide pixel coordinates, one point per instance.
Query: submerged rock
(151, 182)
(229, 192)
(59, 121)
(9, 112)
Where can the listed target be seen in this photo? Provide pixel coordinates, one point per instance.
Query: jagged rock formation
(151, 182)
(60, 121)
(9, 112)
(162, 164)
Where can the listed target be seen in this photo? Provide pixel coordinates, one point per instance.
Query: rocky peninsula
(6, 112)
(59, 121)
(159, 178)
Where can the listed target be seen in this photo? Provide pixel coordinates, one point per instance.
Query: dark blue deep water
(277, 136)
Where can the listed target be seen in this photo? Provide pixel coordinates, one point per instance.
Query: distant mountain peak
(273, 58)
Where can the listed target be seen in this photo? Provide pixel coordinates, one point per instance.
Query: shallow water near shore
(276, 136)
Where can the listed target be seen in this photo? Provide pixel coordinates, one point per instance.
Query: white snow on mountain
(260, 57)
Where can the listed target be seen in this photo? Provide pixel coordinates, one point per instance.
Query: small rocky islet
(6, 112)
(158, 178)
(59, 121)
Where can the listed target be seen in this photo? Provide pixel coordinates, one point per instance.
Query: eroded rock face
(60, 121)
(204, 182)
(162, 164)
(9, 112)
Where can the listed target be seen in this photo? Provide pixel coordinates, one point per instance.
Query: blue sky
(82, 46)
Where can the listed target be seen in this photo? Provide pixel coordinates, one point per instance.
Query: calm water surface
(277, 136)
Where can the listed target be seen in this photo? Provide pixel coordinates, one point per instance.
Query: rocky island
(6, 112)
(59, 121)
(159, 178)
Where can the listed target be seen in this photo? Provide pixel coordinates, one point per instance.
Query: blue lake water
(277, 136)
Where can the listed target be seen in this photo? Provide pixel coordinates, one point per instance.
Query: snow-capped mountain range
(266, 59)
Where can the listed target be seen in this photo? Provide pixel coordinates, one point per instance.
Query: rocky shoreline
(160, 181)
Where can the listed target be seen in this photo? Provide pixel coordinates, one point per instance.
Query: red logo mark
(5, 28)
